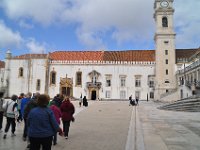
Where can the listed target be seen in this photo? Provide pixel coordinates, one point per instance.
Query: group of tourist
(133, 102)
(41, 118)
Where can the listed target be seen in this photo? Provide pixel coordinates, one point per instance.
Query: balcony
(94, 85)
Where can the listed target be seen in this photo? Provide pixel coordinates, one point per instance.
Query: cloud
(187, 23)
(124, 18)
(35, 47)
(44, 12)
(26, 25)
(100, 21)
(9, 38)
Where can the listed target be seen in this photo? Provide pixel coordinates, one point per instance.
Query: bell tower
(165, 80)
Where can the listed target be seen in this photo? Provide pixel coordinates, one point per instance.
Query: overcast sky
(41, 26)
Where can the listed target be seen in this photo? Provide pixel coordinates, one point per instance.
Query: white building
(104, 74)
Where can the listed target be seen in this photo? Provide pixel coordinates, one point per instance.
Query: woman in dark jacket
(42, 125)
(67, 110)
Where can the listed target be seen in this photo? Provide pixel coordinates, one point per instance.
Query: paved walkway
(114, 125)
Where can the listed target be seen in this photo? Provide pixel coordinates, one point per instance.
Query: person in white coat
(11, 112)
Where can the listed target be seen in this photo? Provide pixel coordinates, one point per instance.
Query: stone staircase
(191, 104)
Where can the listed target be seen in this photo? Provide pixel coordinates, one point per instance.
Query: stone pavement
(113, 125)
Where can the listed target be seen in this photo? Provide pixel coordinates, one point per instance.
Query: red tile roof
(129, 55)
(76, 55)
(28, 56)
(2, 64)
(185, 53)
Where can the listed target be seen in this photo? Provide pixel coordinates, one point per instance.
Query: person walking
(137, 100)
(11, 115)
(130, 100)
(85, 102)
(67, 110)
(42, 125)
(1, 110)
(80, 100)
(58, 115)
(29, 106)
(24, 102)
(19, 100)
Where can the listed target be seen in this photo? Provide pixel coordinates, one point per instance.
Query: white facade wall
(115, 70)
(2, 77)
(33, 69)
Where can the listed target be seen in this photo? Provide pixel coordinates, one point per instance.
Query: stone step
(190, 105)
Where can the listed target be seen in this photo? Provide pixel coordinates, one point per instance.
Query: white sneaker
(13, 134)
(1, 130)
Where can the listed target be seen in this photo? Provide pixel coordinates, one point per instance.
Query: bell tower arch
(165, 80)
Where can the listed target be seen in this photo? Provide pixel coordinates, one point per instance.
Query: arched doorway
(94, 95)
(66, 86)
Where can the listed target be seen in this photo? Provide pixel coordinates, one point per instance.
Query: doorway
(93, 95)
(64, 91)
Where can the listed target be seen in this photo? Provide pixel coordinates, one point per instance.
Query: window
(108, 82)
(151, 84)
(21, 72)
(164, 22)
(53, 77)
(166, 42)
(108, 94)
(38, 85)
(166, 52)
(166, 71)
(79, 78)
(152, 95)
(137, 94)
(137, 82)
(166, 81)
(123, 81)
(167, 91)
(166, 61)
(122, 94)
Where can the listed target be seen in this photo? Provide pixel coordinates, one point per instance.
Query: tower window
(166, 61)
(166, 52)
(167, 72)
(166, 42)
(164, 22)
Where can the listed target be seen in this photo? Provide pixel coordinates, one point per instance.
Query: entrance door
(64, 91)
(94, 95)
(68, 91)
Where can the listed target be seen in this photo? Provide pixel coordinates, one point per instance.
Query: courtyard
(114, 125)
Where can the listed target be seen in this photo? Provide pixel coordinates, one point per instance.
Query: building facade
(147, 74)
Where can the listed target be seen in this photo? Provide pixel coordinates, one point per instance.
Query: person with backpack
(11, 111)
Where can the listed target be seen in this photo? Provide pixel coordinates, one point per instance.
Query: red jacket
(57, 112)
(67, 110)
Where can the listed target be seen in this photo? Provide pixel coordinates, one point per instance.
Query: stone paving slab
(113, 125)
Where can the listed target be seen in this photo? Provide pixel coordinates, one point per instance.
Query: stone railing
(190, 67)
(168, 93)
(94, 85)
